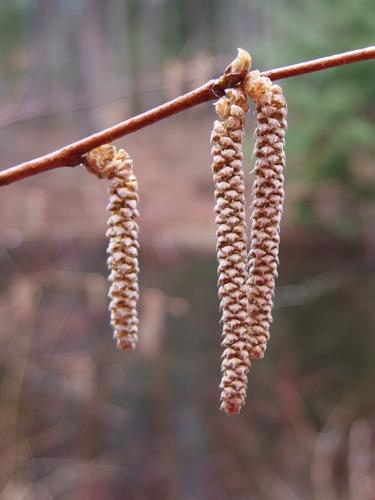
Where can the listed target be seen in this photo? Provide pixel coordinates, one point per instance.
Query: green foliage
(15, 29)
(331, 113)
(337, 103)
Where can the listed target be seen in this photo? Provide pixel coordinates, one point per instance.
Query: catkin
(231, 246)
(267, 205)
(106, 161)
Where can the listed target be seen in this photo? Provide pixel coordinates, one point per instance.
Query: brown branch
(321, 64)
(73, 154)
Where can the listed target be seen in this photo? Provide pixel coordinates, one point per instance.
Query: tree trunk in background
(41, 77)
(236, 23)
(37, 87)
(149, 56)
(90, 67)
(117, 33)
(201, 19)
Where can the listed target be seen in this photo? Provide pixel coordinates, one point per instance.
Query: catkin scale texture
(123, 244)
(231, 246)
(267, 206)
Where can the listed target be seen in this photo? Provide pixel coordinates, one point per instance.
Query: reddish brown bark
(72, 154)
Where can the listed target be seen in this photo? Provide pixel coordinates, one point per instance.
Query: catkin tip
(98, 159)
(231, 407)
(242, 62)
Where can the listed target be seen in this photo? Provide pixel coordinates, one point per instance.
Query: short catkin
(226, 139)
(117, 166)
(267, 205)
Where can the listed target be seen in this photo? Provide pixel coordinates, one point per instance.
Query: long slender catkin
(267, 205)
(231, 246)
(123, 245)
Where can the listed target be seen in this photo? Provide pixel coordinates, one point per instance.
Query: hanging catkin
(123, 245)
(268, 196)
(228, 176)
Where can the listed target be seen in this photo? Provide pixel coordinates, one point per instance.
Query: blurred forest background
(81, 420)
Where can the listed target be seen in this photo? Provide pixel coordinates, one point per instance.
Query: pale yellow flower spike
(268, 197)
(106, 161)
(231, 247)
